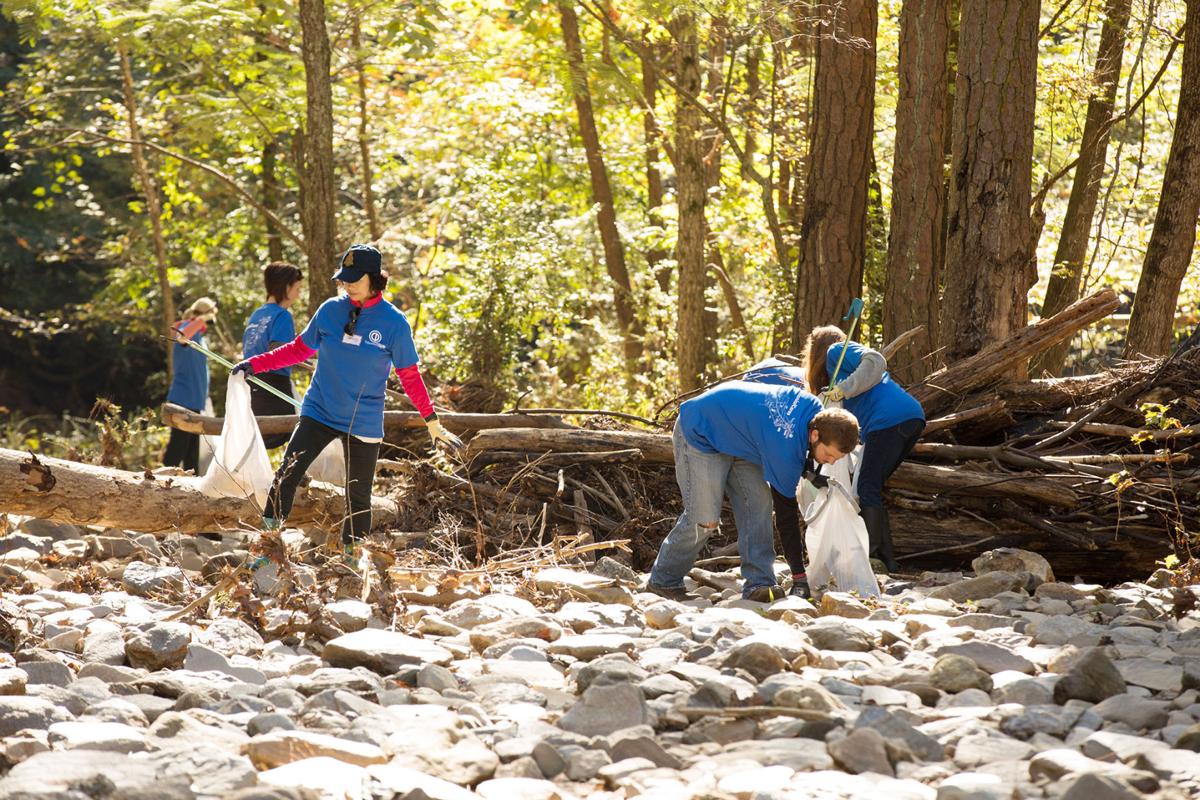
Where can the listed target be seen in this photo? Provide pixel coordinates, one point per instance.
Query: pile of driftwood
(1095, 472)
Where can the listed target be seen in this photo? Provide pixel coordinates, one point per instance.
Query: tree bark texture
(915, 246)
(990, 239)
(270, 198)
(364, 132)
(654, 181)
(1174, 234)
(318, 188)
(1065, 279)
(84, 494)
(602, 196)
(830, 268)
(153, 205)
(395, 423)
(693, 347)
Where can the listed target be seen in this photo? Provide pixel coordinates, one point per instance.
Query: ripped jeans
(704, 480)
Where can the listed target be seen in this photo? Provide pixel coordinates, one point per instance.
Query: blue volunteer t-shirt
(189, 386)
(882, 406)
(269, 323)
(774, 370)
(763, 423)
(347, 389)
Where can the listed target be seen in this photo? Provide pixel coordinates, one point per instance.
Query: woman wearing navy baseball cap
(358, 338)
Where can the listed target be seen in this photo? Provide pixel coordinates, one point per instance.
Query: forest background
(591, 203)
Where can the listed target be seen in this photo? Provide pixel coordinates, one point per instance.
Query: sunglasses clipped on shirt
(354, 312)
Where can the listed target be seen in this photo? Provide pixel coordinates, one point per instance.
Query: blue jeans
(704, 480)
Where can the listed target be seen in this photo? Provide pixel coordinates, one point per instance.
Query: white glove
(833, 394)
(439, 435)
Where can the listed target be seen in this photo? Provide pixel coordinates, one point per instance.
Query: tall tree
(990, 235)
(915, 246)
(270, 198)
(654, 181)
(153, 203)
(693, 347)
(830, 267)
(364, 123)
(602, 196)
(1067, 274)
(1174, 234)
(318, 191)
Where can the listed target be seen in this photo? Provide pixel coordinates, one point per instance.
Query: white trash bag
(240, 466)
(837, 542)
(330, 465)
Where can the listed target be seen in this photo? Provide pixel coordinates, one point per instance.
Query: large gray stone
(213, 772)
(1137, 712)
(1093, 677)
(79, 774)
(984, 586)
(955, 673)
(1012, 559)
(839, 636)
(904, 742)
(157, 645)
(1060, 630)
(606, 709)
(145, 579)
(864, 750)
(19, 712)
(383, 651)
(990, 657)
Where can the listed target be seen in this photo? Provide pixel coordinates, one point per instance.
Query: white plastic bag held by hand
(837, 540)
(240, 466)
(330, 466)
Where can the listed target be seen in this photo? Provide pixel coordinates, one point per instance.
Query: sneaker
(669, 592)
(800, 588)
(765, 594)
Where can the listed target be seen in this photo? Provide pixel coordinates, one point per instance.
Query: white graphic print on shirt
(781, 414)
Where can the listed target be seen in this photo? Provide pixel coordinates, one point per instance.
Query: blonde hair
(204, 308)
(818, 344)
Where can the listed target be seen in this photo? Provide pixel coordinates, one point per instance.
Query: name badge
(355, 340)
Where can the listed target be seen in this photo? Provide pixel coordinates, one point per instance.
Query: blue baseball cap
(359, 260)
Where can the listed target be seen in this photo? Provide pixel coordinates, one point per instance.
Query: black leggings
(183, 450)
(882, 453)
(787, 525)
(307, 442)
(266, 404)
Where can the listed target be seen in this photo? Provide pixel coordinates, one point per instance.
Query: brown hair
(836, 427)
(278, 277)
(818, 344)
(378, 281)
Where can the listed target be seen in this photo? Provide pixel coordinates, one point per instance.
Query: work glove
(817, 479)
(439, 435)
(832, 394)
(243, 367)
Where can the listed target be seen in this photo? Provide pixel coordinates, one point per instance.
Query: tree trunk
(318, 188)
(1065, 279)
(990, 241)
(270, 199)
(915, 245)
(945, 388)
(602, 196)
(654, 182)
(396, 424)
(693, 347)
(83, 494)
(153, 206)
(1174, 234)
(830, 268)
(364, 141)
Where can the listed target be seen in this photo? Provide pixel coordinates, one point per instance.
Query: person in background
(270, 326)
(890, 418)
(189, 384)
(787, 512)
(359, 337)
(735, 440)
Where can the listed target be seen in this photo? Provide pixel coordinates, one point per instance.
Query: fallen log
(995, 411)
(930, 479)
(85, 494)
(945, 388)
(656, 447)
(394, 422)
(1126, 431)
(1047, 395)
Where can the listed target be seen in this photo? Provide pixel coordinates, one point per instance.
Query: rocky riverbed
(570, 683)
